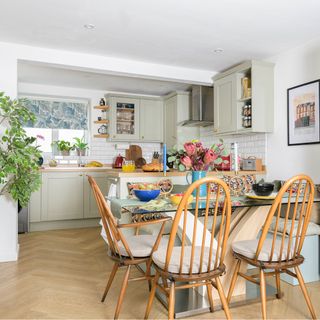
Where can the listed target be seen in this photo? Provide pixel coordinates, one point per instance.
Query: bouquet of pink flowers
(194, 157)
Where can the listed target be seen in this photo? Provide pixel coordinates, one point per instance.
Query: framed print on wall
(303, 113)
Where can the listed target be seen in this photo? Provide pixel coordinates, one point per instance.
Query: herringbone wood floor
(61, 274)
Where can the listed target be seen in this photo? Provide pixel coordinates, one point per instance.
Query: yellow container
(128, 166)
(176, 198)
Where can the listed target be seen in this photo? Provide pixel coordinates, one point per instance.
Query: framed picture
(303, 113)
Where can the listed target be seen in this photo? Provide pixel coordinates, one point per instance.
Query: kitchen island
(122, 179)
(65, 199)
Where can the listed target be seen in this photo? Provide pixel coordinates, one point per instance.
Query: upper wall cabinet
(133, 118)
(244, 99)
(124, 118)
(151, 120)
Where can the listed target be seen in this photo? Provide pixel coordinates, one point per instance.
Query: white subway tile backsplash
(248, 144)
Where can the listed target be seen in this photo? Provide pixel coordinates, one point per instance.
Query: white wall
(292, 68)
(8, 208)
(110, 65)
(100, 149)
(10, 54)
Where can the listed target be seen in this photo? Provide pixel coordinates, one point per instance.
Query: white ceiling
(52, 75)
(173, 32)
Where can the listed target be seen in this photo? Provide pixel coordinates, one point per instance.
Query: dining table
(247, 219)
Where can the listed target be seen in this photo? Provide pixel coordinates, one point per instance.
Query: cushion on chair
(248, 249)
(159, 258)
(140, 245)
(312, 229)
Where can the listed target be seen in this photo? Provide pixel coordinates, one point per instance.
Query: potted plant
(80, 146)
(64, 147)
(19, 156)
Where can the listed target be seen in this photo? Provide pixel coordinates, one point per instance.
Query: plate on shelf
(252, 195)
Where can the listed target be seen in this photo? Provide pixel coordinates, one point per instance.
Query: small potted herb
(80, 146)
(64, 147)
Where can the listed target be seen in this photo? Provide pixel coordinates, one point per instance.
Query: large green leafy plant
(19, 156)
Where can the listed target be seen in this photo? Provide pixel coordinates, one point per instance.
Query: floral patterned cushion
(238, 185)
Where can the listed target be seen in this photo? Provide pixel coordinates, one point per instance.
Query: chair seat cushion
(159, 258)
(248, 249)
(312, 229)
(140, 245)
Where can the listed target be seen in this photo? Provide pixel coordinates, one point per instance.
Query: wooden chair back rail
(295, 211)
(114, 233)
(222, 200)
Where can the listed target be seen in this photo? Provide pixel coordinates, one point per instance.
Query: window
(57, 120)
(45, 144)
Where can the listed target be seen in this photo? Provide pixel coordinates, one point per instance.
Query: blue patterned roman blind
(55, 114)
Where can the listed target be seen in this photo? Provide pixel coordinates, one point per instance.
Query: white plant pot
(9, 247)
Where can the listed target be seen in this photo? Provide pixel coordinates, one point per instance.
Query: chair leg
(112, 274)
(148, 272)
(122, 292)
(263, 294)
(278, 295)
(209, 293)
(223, 298)
(151, 295)
(305, 292)
(171, 301)
(233, 280)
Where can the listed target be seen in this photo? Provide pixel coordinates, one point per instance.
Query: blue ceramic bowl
(146, 195)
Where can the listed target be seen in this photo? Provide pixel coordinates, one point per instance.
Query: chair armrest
(144, 223)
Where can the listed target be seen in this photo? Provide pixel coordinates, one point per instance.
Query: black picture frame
(306, 113)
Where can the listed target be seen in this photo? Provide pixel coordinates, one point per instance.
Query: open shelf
(125, 109)
(101, 107)
(118, 120)
(101, 136)
(245, 99)
(101, 121)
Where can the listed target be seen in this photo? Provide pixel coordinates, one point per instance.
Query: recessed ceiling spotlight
(218, 50)
(89, 26)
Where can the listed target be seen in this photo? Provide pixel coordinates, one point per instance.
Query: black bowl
(263, 189)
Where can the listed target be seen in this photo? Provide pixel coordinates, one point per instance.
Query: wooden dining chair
(199, 260)
(126, 251)
(282, 250)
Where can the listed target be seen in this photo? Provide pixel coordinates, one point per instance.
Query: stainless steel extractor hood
(201, 111)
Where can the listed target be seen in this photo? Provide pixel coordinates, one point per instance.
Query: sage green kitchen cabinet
(170, 123)
(231, 105)
(35, 206)
(62, 196)
(225, 102)
(124, 117)
(90, 204)
(66, 196)
(151, 120)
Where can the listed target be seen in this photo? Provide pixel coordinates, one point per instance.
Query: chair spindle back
(300, 192)
(211, 250)
(109, 222)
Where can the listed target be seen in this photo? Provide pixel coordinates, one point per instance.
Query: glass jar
(128, 166)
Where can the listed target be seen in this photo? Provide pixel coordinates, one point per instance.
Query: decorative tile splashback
(248, 144)
(56, 114)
